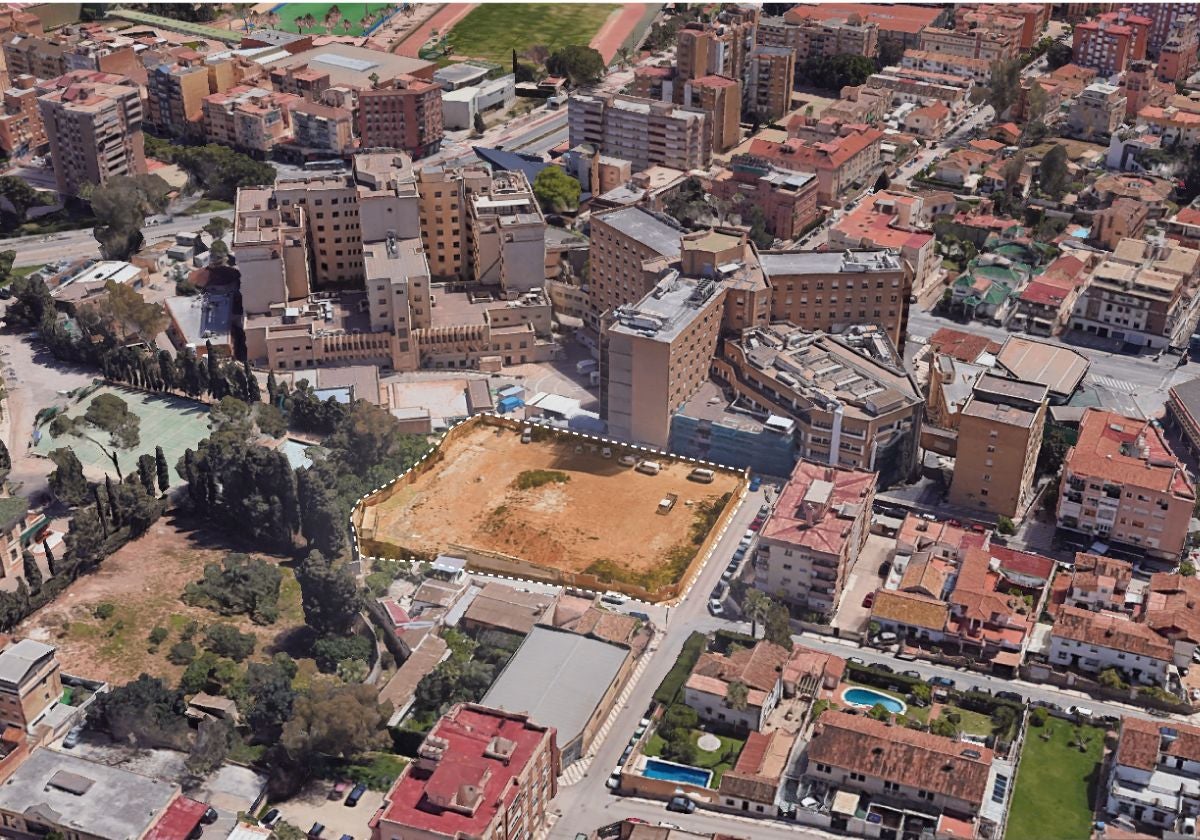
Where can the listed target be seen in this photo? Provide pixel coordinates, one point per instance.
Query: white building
(1094, 642)
(1155, 776)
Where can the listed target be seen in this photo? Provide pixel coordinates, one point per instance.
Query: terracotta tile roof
(922, 760)
(890, 18)
(1022, 562)
(910, 609)
(794, 154)
(1126, 451)
(760, 767)
(1110, 631)
(1090, 567)
(823, 525)
(758, 667)
(925, 576)
(1172, 606)
(962, 345)
(1143, 741)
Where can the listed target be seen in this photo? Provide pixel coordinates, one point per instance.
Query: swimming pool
(656, 768)
(867, 698)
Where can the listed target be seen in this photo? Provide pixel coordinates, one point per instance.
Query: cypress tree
(164, 472)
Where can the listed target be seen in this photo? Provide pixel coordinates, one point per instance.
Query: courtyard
(549, 503)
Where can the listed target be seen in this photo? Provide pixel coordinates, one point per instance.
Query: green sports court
(289, 13)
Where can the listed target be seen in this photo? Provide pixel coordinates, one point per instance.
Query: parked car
(943, 682)
(764, 510)
(270, 818)
(868, 600)
(681, 805)
(719, 590)
(1081, 712)
(885, 638)
(339, 789)
(739, 554)
(756, 524)
(856, 660)
(916, 675)
(356, 794)
(1010, 695)
(73, 736)
(316, 830)
(627, 461)
(714, 607)
(755, 483)
(209, 816)
(879, 666)
(614, 598)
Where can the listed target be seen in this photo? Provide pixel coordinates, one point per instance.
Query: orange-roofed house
(1172, 123)
(1099, 583)
(1122, 483)
(962, 345)
(479, 773)
(817, 528)
(892, 220)
(1172, 609)
(1092, 642)
(899, 766)
(1184, 227)
(929, 122)
(759, 669)
(1045, 303)
(754, 782)
(838, 163)
(1152, 775)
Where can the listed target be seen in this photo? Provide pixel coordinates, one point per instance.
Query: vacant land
(143, 583)
(1057, 782)
(493, 30)
(173, 423)
(352, 12)
(565, 519)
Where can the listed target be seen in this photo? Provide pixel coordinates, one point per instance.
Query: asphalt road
(75, 244)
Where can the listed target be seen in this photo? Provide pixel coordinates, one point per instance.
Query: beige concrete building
(175, 91)
(622, 240)
(251, 119)
(29, 683)
(405, 113)
(770, 74)
(814, 534)
(507, 234)
(808, 38)
(93, 122)
(999, 436)
(641, 131)
(989, 43)
(1097, 112)
(443, 195)
(1122, 483)
(322, 128)
(720, 98)
(837, 289)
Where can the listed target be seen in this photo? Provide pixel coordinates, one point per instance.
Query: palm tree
(757, 607)
(624, 57)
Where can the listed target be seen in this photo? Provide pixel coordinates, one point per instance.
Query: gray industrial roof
(92, 799)
(559, 678)
(646, 228)
(17, 659)
(779, 263)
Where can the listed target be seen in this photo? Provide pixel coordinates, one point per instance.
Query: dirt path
(616, 29)
(442, 21)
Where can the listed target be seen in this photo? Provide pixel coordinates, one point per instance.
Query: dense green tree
(146, 469)
(335, 721)
(835, 73)
(1004, 84)
(556, 191)
(1059, 54)
(66, 481)
(328, 651)
(226, 640)
(21, 196)
(239, 585)
(30, 305)
(329, 595)
(162, 471)
(129, 314)
(268, 699)
(210, 747)
(1052, 172)
(33, 575)
(5, 461)
(579, 64)
(216, 170)
(120, 206)
(321, 519)
(143, 713)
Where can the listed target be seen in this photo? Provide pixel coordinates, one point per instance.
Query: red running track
(442, 21)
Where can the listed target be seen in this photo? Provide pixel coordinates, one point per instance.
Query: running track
(616, 29)
(442, 20)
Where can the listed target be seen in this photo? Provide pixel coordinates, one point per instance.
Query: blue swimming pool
(867, 698)
(656, 768)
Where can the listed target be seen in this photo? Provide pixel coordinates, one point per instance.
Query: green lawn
(208, 205)
(973, 723)
(493, 30)
(353, 12)
(1056, 783)
(715, 761)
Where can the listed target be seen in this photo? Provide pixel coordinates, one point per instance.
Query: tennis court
(352, 14)
(173, 423)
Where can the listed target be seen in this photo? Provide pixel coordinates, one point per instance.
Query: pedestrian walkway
(575, 773)
(1114, 384)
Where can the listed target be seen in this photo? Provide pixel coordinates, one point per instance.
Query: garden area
(1058, 780)
(679, 739)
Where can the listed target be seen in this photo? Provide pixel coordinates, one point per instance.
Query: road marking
(1114, 384)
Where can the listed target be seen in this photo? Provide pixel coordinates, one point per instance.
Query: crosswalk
(575, 773)
(1114, 384)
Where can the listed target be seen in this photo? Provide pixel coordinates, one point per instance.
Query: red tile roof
(964, 346)
(178, 821)
(1111, 631)
(823, 525)
(1142, 742)
(1127, 451)
(1022, 562)
(891, 18)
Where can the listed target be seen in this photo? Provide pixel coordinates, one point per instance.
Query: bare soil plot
(598, 516)
(143, 581)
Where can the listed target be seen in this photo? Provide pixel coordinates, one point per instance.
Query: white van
(704, 476)
(649, 467)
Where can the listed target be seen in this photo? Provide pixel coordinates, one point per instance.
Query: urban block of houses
(1093, 642)
(758, 669)
(1151, 782)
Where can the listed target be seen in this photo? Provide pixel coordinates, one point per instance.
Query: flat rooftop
(202, 318)
(347, 64)
(668, 309)
(785, 263)
(646, 228)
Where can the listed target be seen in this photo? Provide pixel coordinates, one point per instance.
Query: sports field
(170, 422)
(550, 505)
(352, 12)
(493, 30)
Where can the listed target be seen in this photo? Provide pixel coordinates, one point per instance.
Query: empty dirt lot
(602, 519)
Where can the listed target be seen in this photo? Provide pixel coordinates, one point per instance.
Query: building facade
(641, 131)
(404, 114)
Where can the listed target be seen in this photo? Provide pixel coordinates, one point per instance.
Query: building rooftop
(1143, 744)
(791, 263)
(664, 313)
(558, 678)
(506, 608)
(1112, 631)
(818, 505)
(650, 229)
(1129, 452)
(202, 318)
(1060, 369)
(92, 799)
(17, 660)
(351, 65)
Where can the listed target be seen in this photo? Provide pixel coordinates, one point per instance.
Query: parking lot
(863, 579)
(313, 805)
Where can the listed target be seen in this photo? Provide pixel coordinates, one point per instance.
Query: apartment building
(902, 85)
(480, 772)
(1122, 483)
(1034, 18)
(93, 122)
(622, 241)
(270, 245)
(841, 164)
(713, 49)
(1097, 112)
(853, 404)
(405, 113)
(720, 98)
(787, 200)
(896, 22)
(251, 119)
(1111, 41)
(321, 129)
(1162, 18)
(833, 290)
(999, 437)
(33, 54)
(1177, 55)
(655, 354)
(176, 88)
(21, 129)
(1174, 124)
(443, 196)
(809, 38)
(30, 683)
(1092, 642)
(978, 70)
(507, 234)
(901, 767)
(897, 221)
(1101, 583)
(1136, 304)
(1152, 775)
(986, 43)
(641, 131)
(814, 534)
(758, 668)
(768, 82)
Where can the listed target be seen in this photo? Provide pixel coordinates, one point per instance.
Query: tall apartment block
(405, 113)
(322, 128)
(720, 98)
(1177, 55)
(175, 91)
(641, 131)
(21, 128)
(34, 55)
(94, 127)
(981, 42)
(715, 49)
(1122, 483)
(809, 38)
(1034, 18)
(1162, 18)
(443, 211)
(1111, 41)
(999, 436)
(251, 119)
(770, 73)
(623, 240)
(508, 234)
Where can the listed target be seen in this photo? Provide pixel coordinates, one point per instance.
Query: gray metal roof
(780, 263)
(646, 228)
(559, 678)
(116, 805)
(16, 660)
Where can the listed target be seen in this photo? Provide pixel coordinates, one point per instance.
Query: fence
(1044, 674)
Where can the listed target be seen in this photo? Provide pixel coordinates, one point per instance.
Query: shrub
(239, 585)
(1039, 716)
(328, 651)
(530, 479)
(104, 611)
(181, 653)
(227, 640)
(158, 635)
